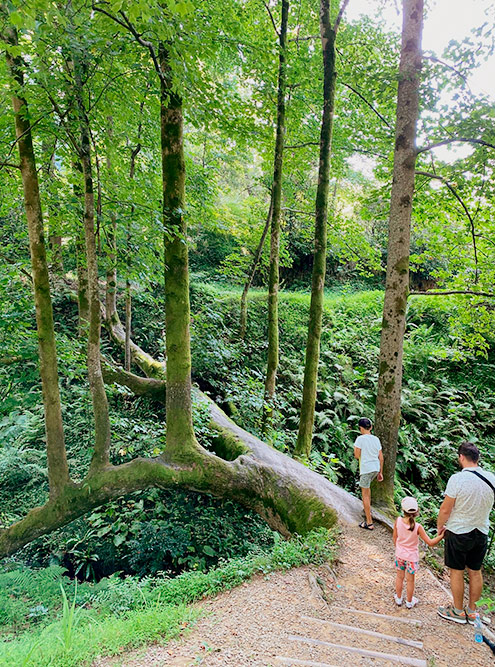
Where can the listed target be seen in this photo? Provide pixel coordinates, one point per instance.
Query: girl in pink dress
(406, 539)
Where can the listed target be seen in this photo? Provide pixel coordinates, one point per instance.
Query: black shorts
(466, 550)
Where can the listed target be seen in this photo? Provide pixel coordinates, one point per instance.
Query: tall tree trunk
(252, 271)
(305, 434)
(81, 264)
(180, 432)
(111, 272)
(58, 471)
(273, 281)
(387, 414)
(100, 457)
(128, 293)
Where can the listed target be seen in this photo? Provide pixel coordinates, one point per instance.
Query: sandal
(366, 526)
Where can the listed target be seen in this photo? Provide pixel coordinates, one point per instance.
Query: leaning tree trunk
(58, 472)
(252, 271)
(276, 205)
(387, 415)
(100, 457)
(328, 36)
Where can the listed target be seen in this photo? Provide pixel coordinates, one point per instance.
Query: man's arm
(357, 452)
(380, 474)
(444, 512)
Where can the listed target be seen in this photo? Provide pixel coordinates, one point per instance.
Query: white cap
(409, 504)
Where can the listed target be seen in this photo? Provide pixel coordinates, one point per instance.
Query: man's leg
(475, 587)
(366, 493)
(457, 587)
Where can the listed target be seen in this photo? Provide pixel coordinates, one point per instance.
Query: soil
(284, 619)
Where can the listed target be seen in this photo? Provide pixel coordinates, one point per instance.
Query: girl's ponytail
(412, 522)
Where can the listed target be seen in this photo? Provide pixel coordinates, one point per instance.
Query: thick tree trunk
(387, 415)
(100, 457)
(305, 434)
(180, 433)
(58, 472)
(276, 203)
(252, 271)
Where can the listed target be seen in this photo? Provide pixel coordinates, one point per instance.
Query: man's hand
(380, 477)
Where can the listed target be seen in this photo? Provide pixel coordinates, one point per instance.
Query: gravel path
(282, 619)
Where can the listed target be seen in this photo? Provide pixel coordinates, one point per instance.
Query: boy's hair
(411, 516)
(364, 422)
(469, 450)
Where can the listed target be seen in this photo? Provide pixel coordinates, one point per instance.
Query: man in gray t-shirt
(368, 449)
(464, 514)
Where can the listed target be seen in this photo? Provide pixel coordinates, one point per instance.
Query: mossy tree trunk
(180, 432)
(328, 36)
(387, 415)
(252, 271)
(100, 457)
(58, 472)
(276, 206)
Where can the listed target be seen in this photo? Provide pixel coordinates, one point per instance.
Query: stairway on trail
(354, 637)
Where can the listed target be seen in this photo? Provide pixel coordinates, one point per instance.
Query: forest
(229, 230)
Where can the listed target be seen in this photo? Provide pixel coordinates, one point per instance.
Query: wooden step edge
(304, 663)
(399, 619)
(398, 659)
(371, 633)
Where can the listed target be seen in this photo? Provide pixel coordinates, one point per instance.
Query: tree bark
(387, 414)
(58, 471)
(252, 271)
(273, 280)
(100, 457)
(305, 433)
(180, 432)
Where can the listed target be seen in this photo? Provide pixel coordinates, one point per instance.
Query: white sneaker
(398, 600)
(413, 603)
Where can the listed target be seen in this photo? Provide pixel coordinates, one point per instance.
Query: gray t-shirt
(473, 501)
(370, 446)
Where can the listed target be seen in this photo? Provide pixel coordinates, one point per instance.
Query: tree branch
(465, 208)
(356, 92)
(340, 15)
(272, 19)
(468, 140)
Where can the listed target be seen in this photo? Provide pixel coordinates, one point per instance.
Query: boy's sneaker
(450, 614)
(398, 600)
(413, 602)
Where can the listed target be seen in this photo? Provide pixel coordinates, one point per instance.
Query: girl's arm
(395, 532)
(431, 542)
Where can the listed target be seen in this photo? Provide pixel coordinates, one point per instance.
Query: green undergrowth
(118, 614)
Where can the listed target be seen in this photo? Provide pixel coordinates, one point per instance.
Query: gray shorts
(366, 479)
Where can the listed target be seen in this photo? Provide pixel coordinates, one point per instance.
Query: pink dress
(407, 545)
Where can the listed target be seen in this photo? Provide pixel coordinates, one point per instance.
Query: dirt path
(282, 620)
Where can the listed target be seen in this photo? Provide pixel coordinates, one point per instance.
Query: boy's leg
(410, 578)
(366, 493)
(399, 582)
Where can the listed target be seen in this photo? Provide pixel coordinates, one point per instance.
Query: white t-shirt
(473, 501)
(369, 445)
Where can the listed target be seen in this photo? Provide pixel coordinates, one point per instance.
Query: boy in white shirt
(368, 450)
